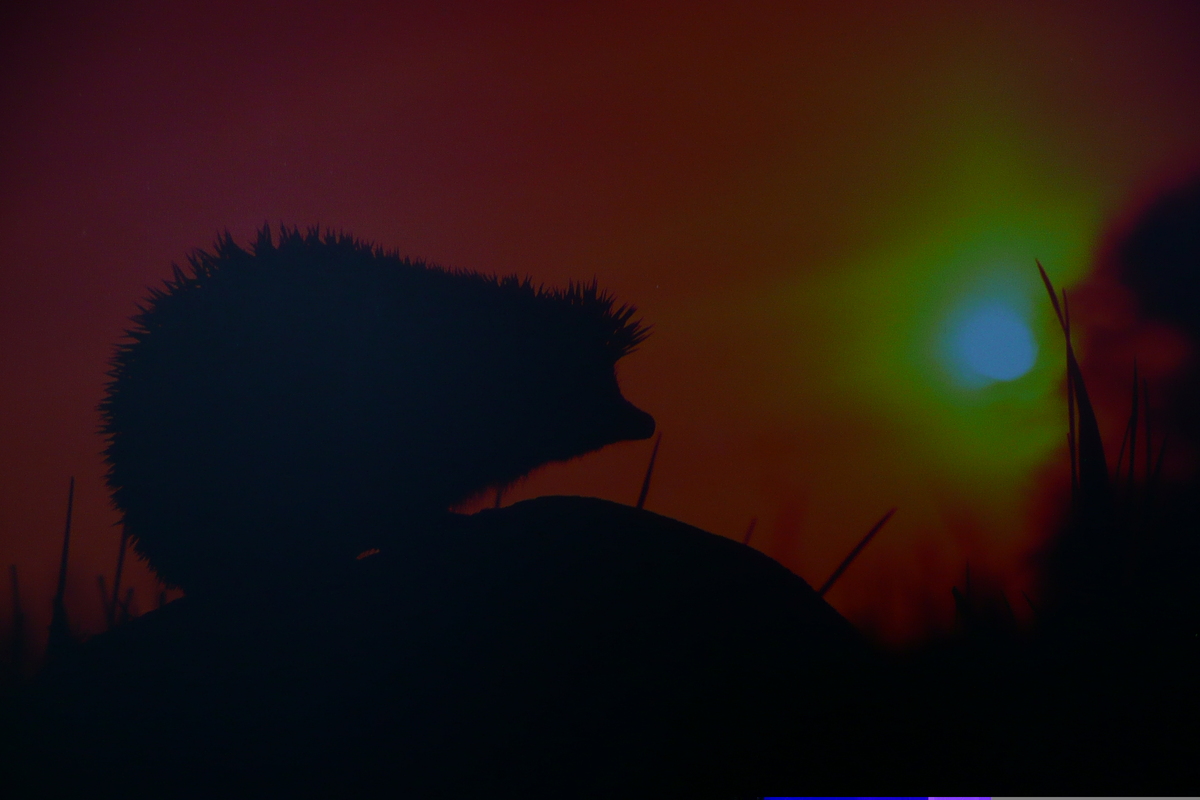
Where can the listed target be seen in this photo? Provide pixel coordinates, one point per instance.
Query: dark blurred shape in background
(1159, 261)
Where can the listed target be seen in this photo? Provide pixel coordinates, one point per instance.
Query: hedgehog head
(302, 401)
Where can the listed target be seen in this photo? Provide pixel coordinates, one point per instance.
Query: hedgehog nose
(633, 423)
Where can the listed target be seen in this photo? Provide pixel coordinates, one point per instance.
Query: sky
(818, 207)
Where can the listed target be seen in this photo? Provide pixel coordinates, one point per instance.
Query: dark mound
(563, 646)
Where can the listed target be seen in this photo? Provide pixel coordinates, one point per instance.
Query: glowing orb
(992, 342)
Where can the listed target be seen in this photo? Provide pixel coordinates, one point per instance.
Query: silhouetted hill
(561, 645)
(569, 646)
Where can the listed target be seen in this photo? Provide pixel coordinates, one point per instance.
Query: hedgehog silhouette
(279, 408)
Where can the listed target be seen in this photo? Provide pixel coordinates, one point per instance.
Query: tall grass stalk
(649, 473)
(126, 606)
(837, 573)
(1072, 429)
(112, 607)
(749, 531)
(60, 633)
(1093, 491)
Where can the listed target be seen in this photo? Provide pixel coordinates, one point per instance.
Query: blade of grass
(962, 606)
(837, 573)
(1072, 433)
(1071, 441)
(649, 472)
(1032, 607)
(1121, 453)
(1130, 437)
(62, 564)
(1094, 484)
(1012, 617)
(126, 604)
(60, 634)
(112, 607)
(1093, 469)
(750, 531)
(1053, 296)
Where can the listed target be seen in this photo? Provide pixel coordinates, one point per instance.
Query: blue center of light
(993, 341)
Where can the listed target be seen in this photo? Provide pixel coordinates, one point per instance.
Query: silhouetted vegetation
(571, 645)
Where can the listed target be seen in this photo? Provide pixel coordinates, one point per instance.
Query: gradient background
(794, 197)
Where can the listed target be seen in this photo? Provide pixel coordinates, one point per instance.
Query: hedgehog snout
(632, 423)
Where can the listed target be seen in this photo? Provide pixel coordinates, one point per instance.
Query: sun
(989, 341)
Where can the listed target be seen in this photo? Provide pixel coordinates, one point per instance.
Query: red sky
(704, 161)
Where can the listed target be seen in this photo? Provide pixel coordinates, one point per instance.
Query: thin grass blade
(60, 632)
(1073, 433)
(649, 473)
(62, 564)
(1121, 453)
(1032, 607)
(116, 592)
(1093, 469)
(1011, 616)
(750, 531)
(837, 573)
(961, 606)
(1053, 296)
(126, 605)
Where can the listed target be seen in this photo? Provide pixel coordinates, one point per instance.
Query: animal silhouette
(262, 424)
(281, 410)
(292, 405)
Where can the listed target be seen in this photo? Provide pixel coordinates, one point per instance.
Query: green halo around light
(886, 322)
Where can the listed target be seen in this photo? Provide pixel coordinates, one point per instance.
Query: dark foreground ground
(573, 647)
